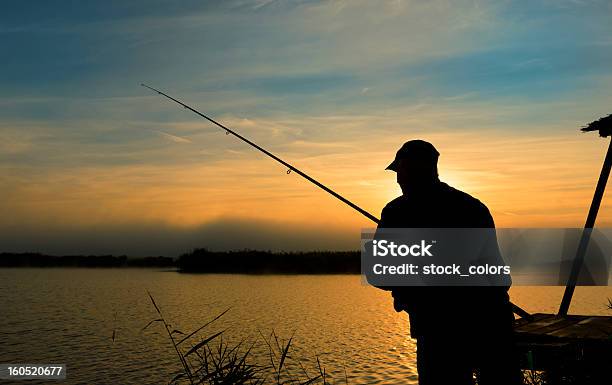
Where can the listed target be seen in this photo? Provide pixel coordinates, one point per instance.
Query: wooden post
(586, 233)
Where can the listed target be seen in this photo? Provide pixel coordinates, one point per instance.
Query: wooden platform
(573, 344)
(572, 327)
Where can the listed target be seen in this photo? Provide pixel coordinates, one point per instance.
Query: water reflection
(69, 315)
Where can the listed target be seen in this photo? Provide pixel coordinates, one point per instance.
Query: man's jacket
(445, 309)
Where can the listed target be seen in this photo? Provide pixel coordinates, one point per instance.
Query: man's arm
(381, 225)
(401, 294)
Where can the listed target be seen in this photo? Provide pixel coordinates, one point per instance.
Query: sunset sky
(90, 162)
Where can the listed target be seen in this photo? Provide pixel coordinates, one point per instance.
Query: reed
(206, 358)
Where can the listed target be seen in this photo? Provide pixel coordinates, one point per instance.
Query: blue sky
(326, 84)
(292, 50)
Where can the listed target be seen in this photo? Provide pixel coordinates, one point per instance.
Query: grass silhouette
(208, 359)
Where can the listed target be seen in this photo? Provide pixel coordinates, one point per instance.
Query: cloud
(174, 138)
(12, 143)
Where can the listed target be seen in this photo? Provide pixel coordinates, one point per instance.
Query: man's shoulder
(475, 212)
(396, 203)
(446, 193)
(457, 196)
(445, 206)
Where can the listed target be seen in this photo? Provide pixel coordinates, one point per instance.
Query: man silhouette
(460, 331)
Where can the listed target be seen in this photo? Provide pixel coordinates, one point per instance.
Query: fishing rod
(290, 167)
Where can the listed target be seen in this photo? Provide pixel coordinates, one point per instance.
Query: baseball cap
(414, 149)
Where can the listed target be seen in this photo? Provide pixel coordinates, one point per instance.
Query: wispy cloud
(174, 138)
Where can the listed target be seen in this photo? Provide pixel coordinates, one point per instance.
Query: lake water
(69, 315)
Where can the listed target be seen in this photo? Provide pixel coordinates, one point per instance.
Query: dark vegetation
(265, 262)
(42, 260)
(205, 261)
(206, 358)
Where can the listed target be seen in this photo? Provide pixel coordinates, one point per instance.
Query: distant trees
(42, 260)
(266, 262)
(206, 261)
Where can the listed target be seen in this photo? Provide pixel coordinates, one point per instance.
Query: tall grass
(206, 358)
